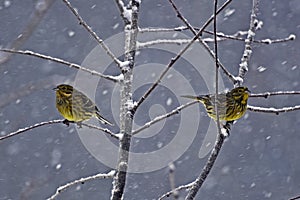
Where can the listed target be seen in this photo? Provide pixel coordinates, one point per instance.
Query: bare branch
(182, 187)
(57, 121)
(173, 61)
(58, 60)
(273, 110)
(126, 116)
(159, 118)
(81, 181)
(268, 94)
(105, 130)
(146, 30)
(221, 36)
(263, 41)
(230, 76)
(123, 11)
(141, 45)
(172, 180)
(220, 139)
(248, 42)
(207, 168)
(93, 34)
(295, 198)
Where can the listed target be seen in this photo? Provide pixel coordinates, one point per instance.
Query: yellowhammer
(231, 105)
(75, 106)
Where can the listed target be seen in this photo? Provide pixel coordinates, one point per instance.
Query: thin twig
(81, 181)
(105, 130)
(217, 65)
(57, 121)
(220, 139)
(182, 187)
(235, 36)
(93, 34)
(123, 11)
(58, 60)
(268, 94)
(243, 69)
(208, 166)
(159, 118)
(295, 198)
(141, 45)
(263, 41)
(230, 76)
(273, 110)
(173, 61)
(172, 180)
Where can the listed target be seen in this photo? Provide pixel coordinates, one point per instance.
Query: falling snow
(229, 12)
(7, 3)
(169, 101)
(261, 69)
(71, 33)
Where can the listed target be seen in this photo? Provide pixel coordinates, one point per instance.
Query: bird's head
(240, 94)
(64, 90)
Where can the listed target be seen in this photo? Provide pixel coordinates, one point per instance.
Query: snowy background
(259, 161)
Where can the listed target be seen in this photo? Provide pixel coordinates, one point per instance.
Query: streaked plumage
(75, 106)
(231, 105)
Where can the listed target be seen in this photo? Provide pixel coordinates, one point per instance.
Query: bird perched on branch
(75, 106)
(231, 105)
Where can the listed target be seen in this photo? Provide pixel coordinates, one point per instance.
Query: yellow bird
(231, 105)
(75, 106)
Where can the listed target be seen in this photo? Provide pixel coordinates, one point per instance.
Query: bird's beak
(248, 90)
(55, 89)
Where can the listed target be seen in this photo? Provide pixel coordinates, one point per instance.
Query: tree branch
(57, 121)
(105, 130)
(268, 94)
(230, 76)
(126, 116)
(159, 118)
(125, 14)
(81, 181)
(58, 60)
(243, 69)
(93, 34)
(208, 166)
(273, 110)
(182, 187)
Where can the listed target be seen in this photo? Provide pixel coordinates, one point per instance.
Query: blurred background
(260, 160)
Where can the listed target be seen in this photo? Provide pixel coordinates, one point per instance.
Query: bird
(231, 105)
(75, 106)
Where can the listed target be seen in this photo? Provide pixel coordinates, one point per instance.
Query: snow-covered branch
(159, 118)
(61, 61)
(142, 45)
(181, 17)
(176, 190)
(207, 168)
(22, 130)
(93, 34)
(57, 121)
(273, 110)
(81, 181)
(268, 94)
(243, 69)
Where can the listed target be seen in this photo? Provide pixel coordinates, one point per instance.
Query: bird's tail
(198, 98)
(103, 120)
